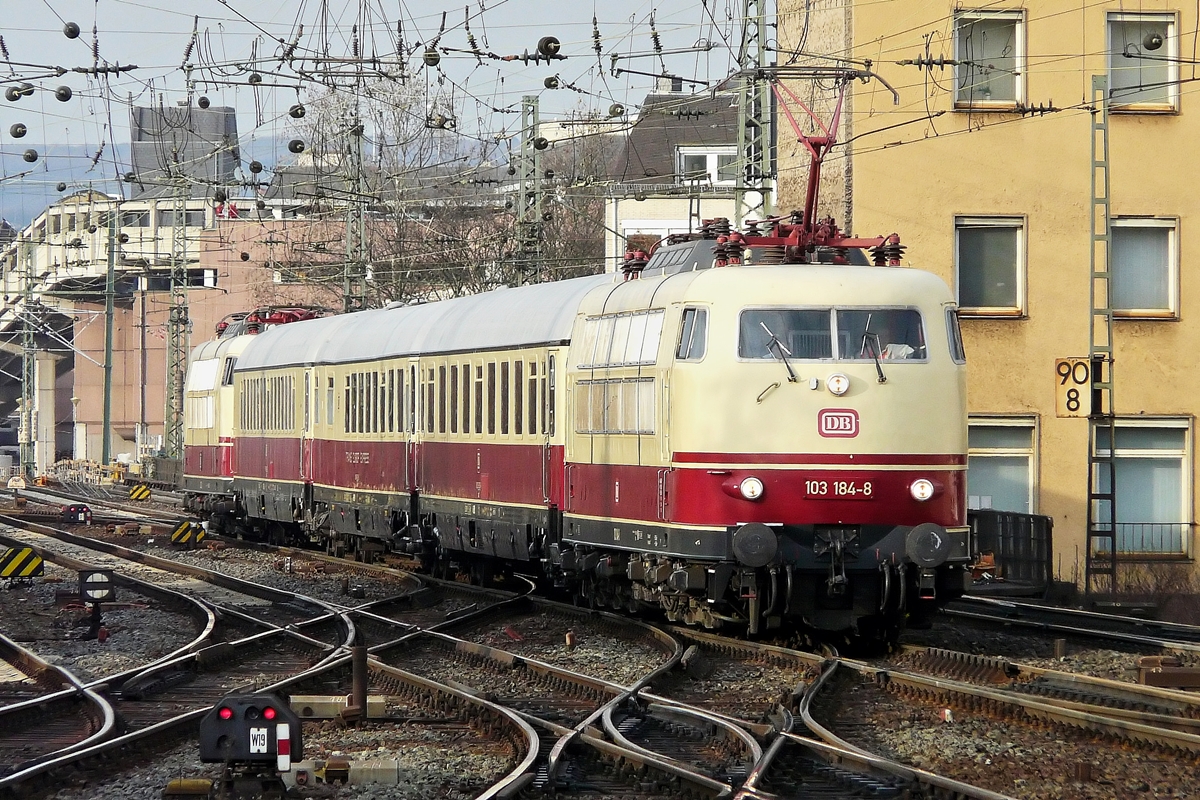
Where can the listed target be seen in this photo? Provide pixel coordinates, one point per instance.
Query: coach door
(306, 433)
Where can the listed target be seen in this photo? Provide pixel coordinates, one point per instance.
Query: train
(756, 430)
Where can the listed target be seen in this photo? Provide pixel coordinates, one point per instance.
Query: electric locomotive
(740, 429)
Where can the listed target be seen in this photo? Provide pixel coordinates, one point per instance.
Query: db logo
(838, 423)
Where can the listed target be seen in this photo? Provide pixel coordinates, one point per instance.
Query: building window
(715, 165)
(990, 49)
(1144, 266)
(1153, 471)
(1001, 464)
(989, 264)
(1143, 62)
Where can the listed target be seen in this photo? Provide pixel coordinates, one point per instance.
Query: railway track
(1071, 622)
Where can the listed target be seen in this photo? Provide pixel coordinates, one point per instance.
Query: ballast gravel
(139, 629)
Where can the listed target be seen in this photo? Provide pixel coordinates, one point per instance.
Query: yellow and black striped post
(140, 492)
(21, 562)
(187, 534)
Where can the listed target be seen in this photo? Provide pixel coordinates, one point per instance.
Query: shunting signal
(187, 533)
(20, 563)
(140, 492)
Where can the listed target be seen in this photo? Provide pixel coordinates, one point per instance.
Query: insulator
(549, 174)
(77, 242)
(123, 238)
(71, 30)
(255, 78)
(30, 155)
(219, 196)
(616, 110)
(130, 177)
(255, 167)
(296, 111)
(551, 82)
(431, 57)
(596, 42)
(547, 216)
(203, 102)
(91, 228)
(549, 46)
(260, 204)
(540, 143)
(18, 130)
(245, 256)
(62, 187)
(512, 170)
(63, 93)
(11, 94)
(1152, 40)
(296, 146)
(25, 89)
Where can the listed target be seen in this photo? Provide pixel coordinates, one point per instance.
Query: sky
(234, 38)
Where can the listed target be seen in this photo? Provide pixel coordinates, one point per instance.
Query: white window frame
(1186, 478)
(1171, 224)
(1031, 452)
(712, 152)
(1169, 52)
(1018, 17)
(1018, 223)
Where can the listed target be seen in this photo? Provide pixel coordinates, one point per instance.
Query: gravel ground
(597, 652)
(1017, 760)
(140, 630)
(449, 767)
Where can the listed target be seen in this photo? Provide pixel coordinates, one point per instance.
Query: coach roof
(529, 315)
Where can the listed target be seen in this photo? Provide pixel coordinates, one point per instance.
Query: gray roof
(526, 316)
(669, 121)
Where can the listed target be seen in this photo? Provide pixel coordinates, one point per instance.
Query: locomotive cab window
(799, 334)
(693, 332)
(885, 333)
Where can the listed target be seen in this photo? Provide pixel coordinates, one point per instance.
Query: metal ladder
(1101, 563)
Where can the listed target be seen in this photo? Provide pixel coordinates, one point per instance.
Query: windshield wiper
(779, 352)
(868, 336)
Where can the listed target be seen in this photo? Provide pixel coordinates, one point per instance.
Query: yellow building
(983, 167)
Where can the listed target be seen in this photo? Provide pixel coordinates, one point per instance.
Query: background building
(985, 169)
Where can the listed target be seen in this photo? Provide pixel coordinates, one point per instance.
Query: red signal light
(225, 713)
(268, 713)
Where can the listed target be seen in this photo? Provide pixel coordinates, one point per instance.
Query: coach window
(478, 399)
(801, 334)
(465, 411)
(491, 389)
(227, 372)
(412, 399)
(329, 394)
(429, 401)
(504, 397)
(989, 265)
(1154, 480)
(364, 412)
(1002, 464)
(693, 333)
(958, 353)
(307, 392)
(454, 398)
(442, 398)
(376, 405)
(533, 397)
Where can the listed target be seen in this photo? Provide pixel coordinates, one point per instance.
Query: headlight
(921, 489)
(751, 488)
(838, 384)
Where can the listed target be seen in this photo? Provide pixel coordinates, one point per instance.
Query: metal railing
(1022, 544)
(1154, 538)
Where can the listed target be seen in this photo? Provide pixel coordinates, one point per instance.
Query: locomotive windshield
(862, 334)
